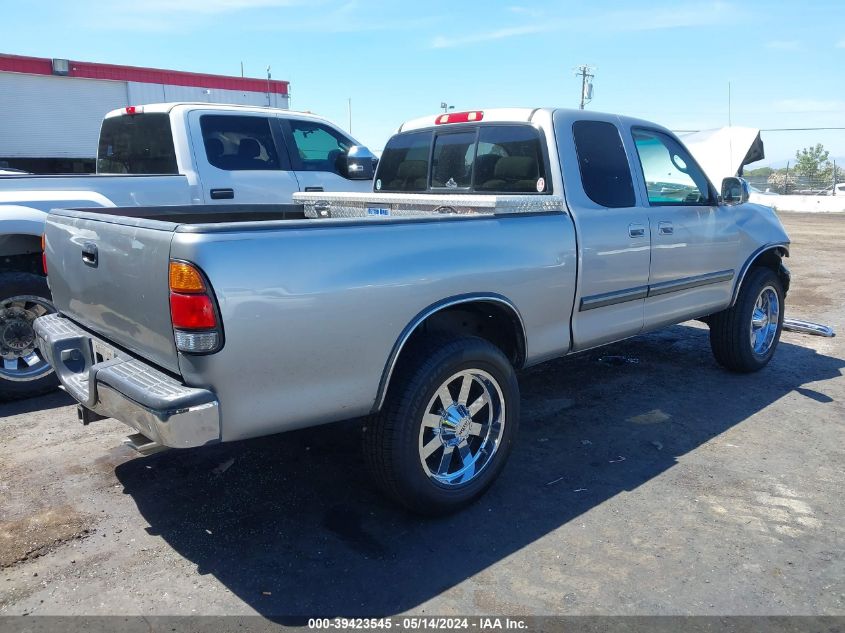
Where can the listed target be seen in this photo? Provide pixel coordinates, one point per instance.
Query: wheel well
(25, 263)
(489, 320)
(493, 320)
(773, 259)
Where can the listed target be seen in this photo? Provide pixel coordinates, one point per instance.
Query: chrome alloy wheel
(21, 360)
(764, 320)
(462, 428)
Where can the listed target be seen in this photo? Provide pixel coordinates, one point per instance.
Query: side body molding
(387, 373)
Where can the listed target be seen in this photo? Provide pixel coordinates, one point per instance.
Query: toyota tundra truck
(160, 154)
(492, 240)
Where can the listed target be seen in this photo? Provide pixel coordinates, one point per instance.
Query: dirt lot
(661, 485)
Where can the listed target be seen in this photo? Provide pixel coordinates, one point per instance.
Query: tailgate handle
(222, 194)
(89, 254)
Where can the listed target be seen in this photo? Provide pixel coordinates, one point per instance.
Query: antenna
(587, 73)
(268, 87)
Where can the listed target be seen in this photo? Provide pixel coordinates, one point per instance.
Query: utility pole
(730, 122)
(587, 74)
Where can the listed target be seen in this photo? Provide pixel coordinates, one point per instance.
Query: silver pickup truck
(494, 240)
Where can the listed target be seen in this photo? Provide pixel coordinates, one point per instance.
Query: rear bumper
(146, 399)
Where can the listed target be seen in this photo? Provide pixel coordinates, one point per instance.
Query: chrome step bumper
(124, 388)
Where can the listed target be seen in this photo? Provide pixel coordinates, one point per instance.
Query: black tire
(14, 285)
(730, 330)
(393, 437)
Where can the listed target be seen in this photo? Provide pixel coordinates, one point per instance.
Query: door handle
(222, 194)
(89, 254)
(636, 230)
(665, 228)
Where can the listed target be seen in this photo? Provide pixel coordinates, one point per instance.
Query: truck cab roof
(167, 107)
(522, 115)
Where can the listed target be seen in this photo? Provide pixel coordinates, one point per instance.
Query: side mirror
(734, 191)
(360, 163)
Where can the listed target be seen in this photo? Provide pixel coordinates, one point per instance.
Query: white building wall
(54, 117)
(141, 93)
(59, 117)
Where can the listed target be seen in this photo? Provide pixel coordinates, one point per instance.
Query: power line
(777, 129)
(799, 129)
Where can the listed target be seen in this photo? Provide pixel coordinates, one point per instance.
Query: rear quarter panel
(311, 313)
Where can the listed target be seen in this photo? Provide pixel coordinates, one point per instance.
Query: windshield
(137, 144)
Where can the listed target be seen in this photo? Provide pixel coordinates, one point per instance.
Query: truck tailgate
(110, 274)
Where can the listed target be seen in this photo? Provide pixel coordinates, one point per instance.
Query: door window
(318, 147)
(605, 174)
(672, 177)
(236, 143)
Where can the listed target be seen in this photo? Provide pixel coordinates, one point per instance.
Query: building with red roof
(51, 109)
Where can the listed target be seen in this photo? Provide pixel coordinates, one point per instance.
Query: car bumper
(124, 388)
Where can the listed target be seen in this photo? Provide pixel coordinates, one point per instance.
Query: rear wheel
(447, 426)
(744, 338)
(23, 373)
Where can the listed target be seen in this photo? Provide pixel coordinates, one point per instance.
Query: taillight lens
(192, 312)
(184, 277)
(196, 328)
(44, 252)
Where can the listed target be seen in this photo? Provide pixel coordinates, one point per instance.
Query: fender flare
(19, 220)
(781, 249)
(399, 345)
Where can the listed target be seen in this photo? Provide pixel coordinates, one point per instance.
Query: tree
(812, 161)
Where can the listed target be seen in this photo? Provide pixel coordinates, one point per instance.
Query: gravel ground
(660, 485)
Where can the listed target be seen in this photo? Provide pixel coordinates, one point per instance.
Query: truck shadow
(293, 527)
(52, 400)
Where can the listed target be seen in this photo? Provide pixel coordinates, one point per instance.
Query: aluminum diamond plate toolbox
(385, 205)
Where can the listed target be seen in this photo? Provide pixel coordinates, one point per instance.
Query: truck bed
(300, 298)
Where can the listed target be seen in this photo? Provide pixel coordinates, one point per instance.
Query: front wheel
(447, 426)
(744, 338)
(23, 373)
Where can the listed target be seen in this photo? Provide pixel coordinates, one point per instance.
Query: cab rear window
(485, 158)
(137, 144)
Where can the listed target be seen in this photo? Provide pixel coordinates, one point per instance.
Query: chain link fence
(799, 184)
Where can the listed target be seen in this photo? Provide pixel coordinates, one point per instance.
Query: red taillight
(131, 110)
(459, 117)
(44, 252)
(196, 328)
(192, 312)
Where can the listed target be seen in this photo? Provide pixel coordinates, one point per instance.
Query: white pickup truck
(153, 155)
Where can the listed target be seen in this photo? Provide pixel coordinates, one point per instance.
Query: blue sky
(666, 61)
